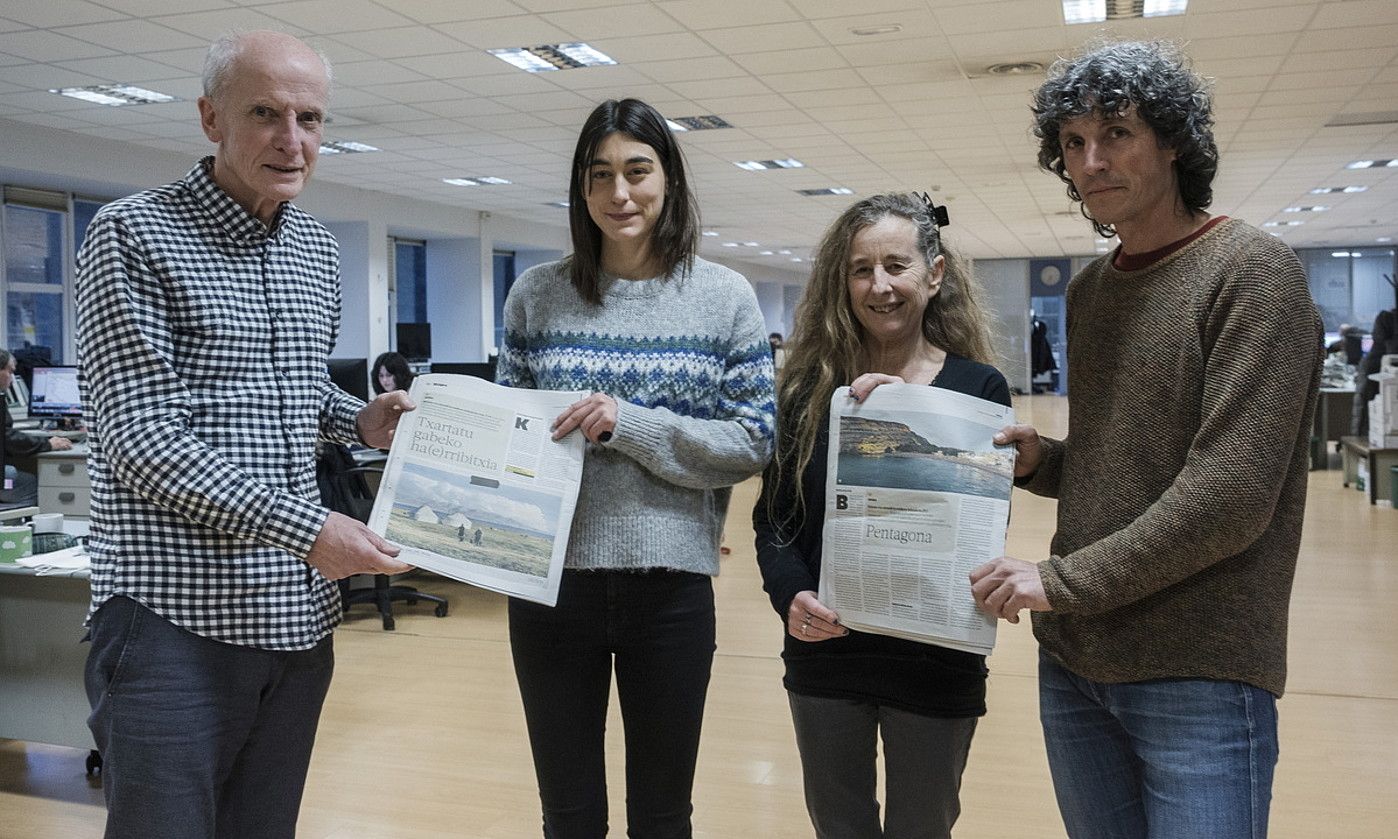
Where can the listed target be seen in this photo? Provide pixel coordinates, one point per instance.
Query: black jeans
(200, 739)
(658, 627)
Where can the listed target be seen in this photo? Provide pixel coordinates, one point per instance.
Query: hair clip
(939, 214)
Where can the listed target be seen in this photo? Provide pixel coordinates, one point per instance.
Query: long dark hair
(676, 234)
(397, 366)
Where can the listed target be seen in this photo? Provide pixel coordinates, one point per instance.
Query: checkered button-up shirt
(202, 341)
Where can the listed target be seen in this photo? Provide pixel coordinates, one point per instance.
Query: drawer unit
(63, 472)
(73, 502)
(63, 484)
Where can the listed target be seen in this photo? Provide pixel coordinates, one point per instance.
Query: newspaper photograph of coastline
(885, 453)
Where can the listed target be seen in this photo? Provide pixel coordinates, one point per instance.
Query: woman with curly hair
(887, 302)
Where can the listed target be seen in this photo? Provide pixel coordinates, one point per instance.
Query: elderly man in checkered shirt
(206, 311)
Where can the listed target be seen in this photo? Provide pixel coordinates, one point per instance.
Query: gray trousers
(923, 761)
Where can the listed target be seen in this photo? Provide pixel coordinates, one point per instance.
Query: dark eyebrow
(638, 159)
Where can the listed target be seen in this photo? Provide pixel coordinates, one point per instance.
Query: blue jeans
(199, 739)
(1164, 759)
(657, 628)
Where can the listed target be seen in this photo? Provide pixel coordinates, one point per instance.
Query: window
(1350, 285)
(504, 281)
(36, 269)
(408, 286)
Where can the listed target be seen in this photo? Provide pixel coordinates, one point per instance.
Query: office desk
(42, 699)
(1380, 463)
(1332, 412)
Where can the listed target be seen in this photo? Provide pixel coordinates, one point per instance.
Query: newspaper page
(474, 488)
(917, 496)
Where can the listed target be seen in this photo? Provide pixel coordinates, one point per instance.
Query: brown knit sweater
(1182, 481)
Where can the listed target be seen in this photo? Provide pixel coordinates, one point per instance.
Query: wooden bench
(1380, 463)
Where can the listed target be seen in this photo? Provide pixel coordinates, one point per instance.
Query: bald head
(259, 46)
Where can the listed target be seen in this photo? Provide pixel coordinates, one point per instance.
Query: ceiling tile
(504, 32)
(791, 61)
(590, 24)
(443, 11)
(208, 25)
(401, 42)
(768, 36)
(655, 47)
(720, 14)
(38, 45)
(46, 13)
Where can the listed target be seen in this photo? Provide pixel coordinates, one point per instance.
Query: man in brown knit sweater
(1193, 365)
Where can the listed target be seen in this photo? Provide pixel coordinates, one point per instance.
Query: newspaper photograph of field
(478, 521)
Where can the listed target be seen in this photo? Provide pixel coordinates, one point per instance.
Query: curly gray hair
(1149, 77)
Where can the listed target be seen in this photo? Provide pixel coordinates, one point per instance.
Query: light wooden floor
(423, 735)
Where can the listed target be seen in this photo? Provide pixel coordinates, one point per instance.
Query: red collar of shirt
(1123, 261)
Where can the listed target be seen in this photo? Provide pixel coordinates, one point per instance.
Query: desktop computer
(53, 397)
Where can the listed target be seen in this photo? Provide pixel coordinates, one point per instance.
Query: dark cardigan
(920, 678)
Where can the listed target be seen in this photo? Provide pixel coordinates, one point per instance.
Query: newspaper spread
(917, 496)
(474, 488)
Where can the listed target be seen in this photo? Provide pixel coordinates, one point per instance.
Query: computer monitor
(54, 393)
(350, 375)
(479, 369)
(415, 341)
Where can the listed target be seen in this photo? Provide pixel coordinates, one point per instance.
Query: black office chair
(349, 488)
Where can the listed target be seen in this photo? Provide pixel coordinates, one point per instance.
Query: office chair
(349, 488)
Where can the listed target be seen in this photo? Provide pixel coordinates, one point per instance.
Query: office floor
(423, 736)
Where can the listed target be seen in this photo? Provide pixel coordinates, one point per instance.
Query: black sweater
(921, 678)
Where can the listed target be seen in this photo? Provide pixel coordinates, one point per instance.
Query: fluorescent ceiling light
(1084, 11)
(1349, 254)
(755, 165)
(1162, 8)
(1316, 209)
(829, 190)
(703, 122)
(1372, 164)
(1097, 11)
(549, 57)
(485, 180)
(675, 126)
(345, 147)
(710, 232)
(115, 94)
(1326, 190)
(751, 245)
(730, 244)
(765, 253)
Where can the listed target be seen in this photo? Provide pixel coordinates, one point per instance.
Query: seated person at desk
(390, 373)
(25, 489)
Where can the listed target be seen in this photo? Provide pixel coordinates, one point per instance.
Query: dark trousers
(658, 629)
(199, 739)
(923, 759)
